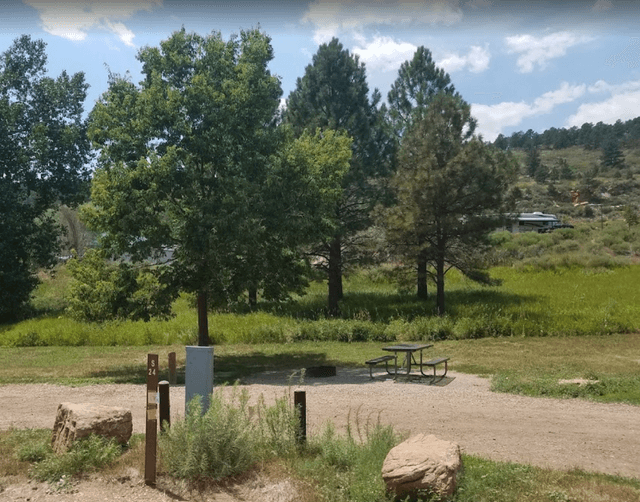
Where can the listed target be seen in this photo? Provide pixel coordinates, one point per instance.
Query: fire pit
(320, 371)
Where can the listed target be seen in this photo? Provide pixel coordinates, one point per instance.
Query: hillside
(604, 190)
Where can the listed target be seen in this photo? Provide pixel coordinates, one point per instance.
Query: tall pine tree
(419, 82)
(333, 94)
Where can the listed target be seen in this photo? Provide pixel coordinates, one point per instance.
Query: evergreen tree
(43, 162)
(450, 189)
(419, 82)
(533, 162)
(612, 156)
(333, 94)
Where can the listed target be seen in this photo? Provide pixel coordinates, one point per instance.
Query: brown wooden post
(151, 433)
(165, 405)
(300, 403)
(173, 377)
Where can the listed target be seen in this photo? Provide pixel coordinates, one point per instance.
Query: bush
(103, 292)
(226, 440)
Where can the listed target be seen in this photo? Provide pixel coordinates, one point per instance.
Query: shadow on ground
(227, 368)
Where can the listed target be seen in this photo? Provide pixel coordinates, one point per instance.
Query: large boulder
(422, 462)
(76, 421)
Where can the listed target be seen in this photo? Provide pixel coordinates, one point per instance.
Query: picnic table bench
(377, 360)
(433, 363)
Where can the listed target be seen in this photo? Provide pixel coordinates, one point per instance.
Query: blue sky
(521, 65)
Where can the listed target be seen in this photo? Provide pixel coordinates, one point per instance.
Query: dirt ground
(556, 433)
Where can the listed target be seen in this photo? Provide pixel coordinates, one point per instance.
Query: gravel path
(557, 433)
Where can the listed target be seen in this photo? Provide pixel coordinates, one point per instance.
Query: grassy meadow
(530, 301)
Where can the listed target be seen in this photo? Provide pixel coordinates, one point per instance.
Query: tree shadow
(384, 307)
(227, 367)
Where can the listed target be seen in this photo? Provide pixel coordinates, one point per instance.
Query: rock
(422, 462)
(578, 381)
(76, 421)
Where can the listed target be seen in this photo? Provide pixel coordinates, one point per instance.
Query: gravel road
(556, 433)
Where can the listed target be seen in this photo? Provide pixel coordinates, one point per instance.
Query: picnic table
(408, 350)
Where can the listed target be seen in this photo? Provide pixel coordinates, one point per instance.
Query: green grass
(488, 481)
(531, 301)
(31, 453)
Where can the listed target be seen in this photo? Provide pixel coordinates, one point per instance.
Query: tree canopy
(450, 189)
(192, 164)
(43, 162)
(419, 81)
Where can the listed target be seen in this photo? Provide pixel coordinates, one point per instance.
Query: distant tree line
(589, 136)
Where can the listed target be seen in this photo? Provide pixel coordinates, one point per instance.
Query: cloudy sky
(522, 65)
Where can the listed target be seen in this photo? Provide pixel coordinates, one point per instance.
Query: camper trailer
(537, 222)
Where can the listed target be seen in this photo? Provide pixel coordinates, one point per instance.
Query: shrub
(227, 439)
(84, 455)
(101, 291)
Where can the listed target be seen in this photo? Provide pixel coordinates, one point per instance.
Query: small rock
(578, 381)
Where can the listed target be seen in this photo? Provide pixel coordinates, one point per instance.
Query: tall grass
(569, 282)
(531, 301)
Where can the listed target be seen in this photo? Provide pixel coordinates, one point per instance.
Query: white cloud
(73, 19)
(480, 4)
(492, 119)
(602, 86)
(602, 5)
(623, 104)
(565, 94)
(476, 60)
(331, 16)
(538, 51)
(383, 53)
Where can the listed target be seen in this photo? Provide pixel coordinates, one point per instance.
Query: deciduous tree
(192, 164)
(43, 162)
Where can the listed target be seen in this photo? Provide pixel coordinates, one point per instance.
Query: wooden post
(173, 377)
(165, 406)
(300, 403)
(151, 433)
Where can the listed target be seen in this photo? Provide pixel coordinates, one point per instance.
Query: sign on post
(151, 433)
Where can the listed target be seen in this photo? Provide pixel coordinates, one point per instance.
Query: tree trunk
(422, 278)
(203, 321)
(440, 285)
(335, 277)
(253, 296)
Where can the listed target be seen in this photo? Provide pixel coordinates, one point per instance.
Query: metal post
(173, 377)
(300, 403)
(165, 405)
(151, 436)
